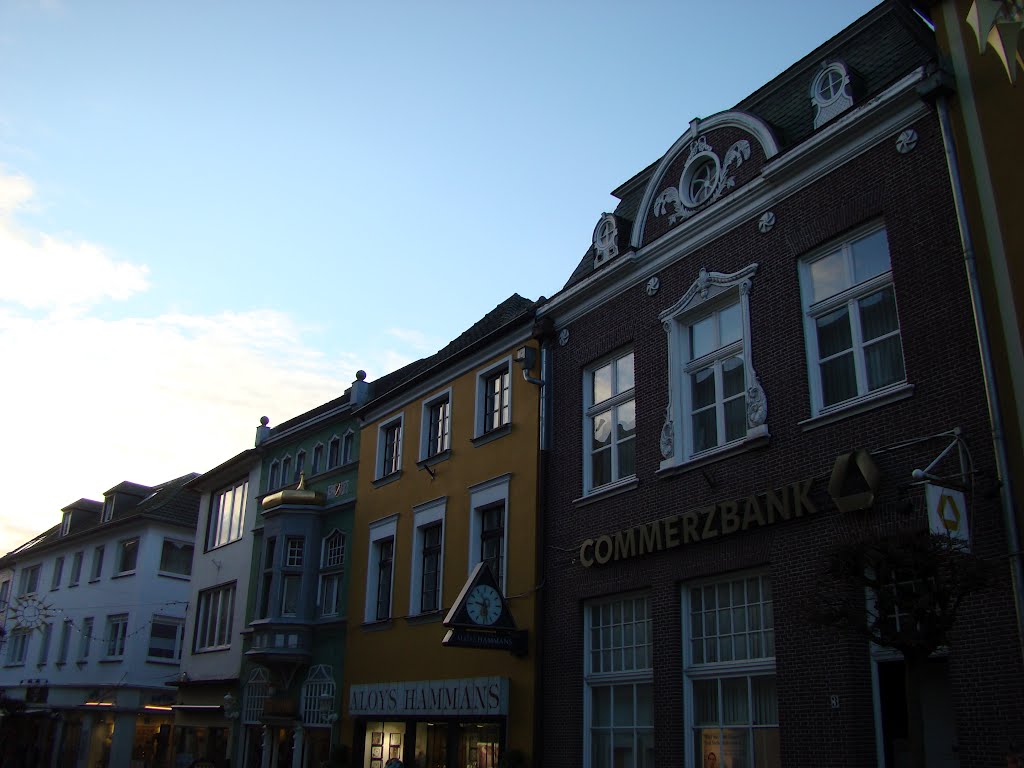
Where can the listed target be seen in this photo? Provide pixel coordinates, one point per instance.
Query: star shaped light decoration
(30, 612)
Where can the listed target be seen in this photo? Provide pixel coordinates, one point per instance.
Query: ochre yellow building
(447, 479)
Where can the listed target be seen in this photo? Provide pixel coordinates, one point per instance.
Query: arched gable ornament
(831, 93)
(700, 181)
(606, 239)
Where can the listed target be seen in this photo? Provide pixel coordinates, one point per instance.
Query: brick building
(783, 287)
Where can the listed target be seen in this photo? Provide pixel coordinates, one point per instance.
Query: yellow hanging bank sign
(947, 512)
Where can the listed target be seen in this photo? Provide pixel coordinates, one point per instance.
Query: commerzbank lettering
(700, 524)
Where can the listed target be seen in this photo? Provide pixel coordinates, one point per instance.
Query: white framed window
(214, 618)
(65, 524)
(257, 691)
(851, 326)
(76, 569)
(333, 452)
(425, 593)
(319, 702)
(176, 557)
(291, 590)
(318, 459)
(380, 569)
(65, 642)
(716, 401)
(618, 672)
(117, 635)
(127, 556)
(729, 668)
(29, 583)
(85, 640)
(609, 430)
(166, 637)
(488, 526)
(389, 447)
(274, 477)
(347, 447)
(97, 563)
(44, 644)
(227, 513)
(332, 563)
(58, 573)
(108, 509)
(830, 92)
(267, 577)
(17, 647)
(494, 398)
(435, 431)
(295, 554)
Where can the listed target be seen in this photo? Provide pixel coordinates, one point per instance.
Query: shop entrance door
(939, 722)
(478, 745)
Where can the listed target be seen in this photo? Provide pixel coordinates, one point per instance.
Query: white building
(95, 630)
(207, 704)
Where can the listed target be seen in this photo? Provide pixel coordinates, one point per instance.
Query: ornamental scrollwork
(683, 206)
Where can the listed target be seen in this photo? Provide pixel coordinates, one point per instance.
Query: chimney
(262, 431)
(360, 389)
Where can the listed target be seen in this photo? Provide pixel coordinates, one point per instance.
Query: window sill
(123, 575)
(96, 580)
(116, 660)
(382, 481)
(327, 621)
(605, 491)
(165, 662)
(376, 626)
(212, 649)
(178, 576)
(437, 458)
(725, 452)
(494, 434)
(72, 585)
(427, 617)
(221, 546)
(858, 406)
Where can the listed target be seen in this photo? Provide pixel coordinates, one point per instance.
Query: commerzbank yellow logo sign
(947, 512)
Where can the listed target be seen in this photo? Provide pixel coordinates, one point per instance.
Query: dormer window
(65, 524)
(830, 93)
(108, 509)
(606, 239)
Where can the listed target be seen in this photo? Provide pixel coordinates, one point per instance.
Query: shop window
(619, 687)
(319, 704)
(716, 402)
(729, 652)
(257, 690)
(610, 422)
(851, 326)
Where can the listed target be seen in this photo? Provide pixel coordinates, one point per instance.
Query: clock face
(483, 605)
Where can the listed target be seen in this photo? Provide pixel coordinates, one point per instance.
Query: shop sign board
(439, 698)
(947, 513)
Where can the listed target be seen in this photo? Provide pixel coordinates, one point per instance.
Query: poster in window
(378, 737)
(723, 748)
(395, 739)
(378, 763)
(394, 753)
(377, 751)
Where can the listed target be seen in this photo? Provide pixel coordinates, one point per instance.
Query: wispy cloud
(415, 339)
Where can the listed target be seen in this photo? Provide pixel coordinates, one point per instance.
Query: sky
(219, 210)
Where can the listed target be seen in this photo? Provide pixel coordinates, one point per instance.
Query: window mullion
(857, 340)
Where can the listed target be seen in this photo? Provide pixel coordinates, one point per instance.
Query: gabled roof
(169, 502)
(515, 309)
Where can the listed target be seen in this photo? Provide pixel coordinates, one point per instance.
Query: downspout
(1006, 494)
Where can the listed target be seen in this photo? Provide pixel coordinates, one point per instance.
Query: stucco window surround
(389, 449)
(609, 422)
(484, 499)
(332, 564)
(830, 93)
(493, 412)
(709, 346)
(427, 557)
(436, 427)
(380, 569)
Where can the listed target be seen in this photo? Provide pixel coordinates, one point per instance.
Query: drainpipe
(1006, 493)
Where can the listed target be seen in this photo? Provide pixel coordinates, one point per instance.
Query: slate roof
(514, 309)
(885, 44)
(169, 502)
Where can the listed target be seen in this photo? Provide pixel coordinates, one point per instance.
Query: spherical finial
(360, 375)
(264, 421)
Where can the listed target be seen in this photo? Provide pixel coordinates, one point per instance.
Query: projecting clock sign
(480, 617)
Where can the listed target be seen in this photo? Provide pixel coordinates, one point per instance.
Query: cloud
(416, 339)
(42, 271)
